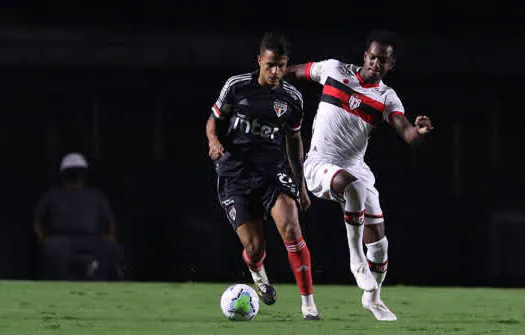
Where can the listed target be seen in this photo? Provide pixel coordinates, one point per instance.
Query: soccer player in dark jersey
(255, 141)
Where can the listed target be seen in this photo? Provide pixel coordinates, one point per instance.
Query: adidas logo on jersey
(244, 102)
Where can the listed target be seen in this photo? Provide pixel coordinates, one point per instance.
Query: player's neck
(263, 83)
(367, 80)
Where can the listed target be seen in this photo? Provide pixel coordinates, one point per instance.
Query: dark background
(131, 86)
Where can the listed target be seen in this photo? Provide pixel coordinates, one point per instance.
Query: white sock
(259, 277)
(355, 194)
(355, 243)
(308, 305)
(377, 253)
(308, 300)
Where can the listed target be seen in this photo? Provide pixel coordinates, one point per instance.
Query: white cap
(73, 160)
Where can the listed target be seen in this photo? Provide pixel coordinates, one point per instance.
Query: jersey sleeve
(319, 71)
(393, 106)
(225, 98)
(296, 119)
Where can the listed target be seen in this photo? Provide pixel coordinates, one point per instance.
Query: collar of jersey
(362, 82)
(255, 80)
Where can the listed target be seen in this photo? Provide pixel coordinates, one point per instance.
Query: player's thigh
(319, 178)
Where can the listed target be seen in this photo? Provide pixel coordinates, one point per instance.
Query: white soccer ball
(240, 302)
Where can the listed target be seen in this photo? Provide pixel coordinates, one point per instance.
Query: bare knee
(340, 181)
(286, 218)
(291, 230)
(374, 232)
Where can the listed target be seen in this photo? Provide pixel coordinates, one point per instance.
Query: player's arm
(395, 115)
(295, 149)
(297, 71)
(221, 112)
(315, 71)
(295, 152)
(216, 150)
(411, 133)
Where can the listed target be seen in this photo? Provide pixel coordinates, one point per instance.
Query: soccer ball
(240, 302)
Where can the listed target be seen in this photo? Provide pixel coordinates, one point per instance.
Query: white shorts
(319, 175)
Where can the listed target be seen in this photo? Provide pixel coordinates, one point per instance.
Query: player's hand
(423, 124)
(304, 199)
(216, 149)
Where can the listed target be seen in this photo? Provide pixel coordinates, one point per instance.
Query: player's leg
(377, 255)
(346, 186)
(251, 234)
(286, 217)
(246, 217)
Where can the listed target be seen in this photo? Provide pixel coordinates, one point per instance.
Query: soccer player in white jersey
(353, 102)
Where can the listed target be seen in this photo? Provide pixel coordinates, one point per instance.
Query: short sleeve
(296, 116)
(393, 106)
(319, 71)
(225, 97)
(296, 119)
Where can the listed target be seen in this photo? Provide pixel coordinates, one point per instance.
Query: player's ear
(392, 62)
(364, 55)
(259, 59)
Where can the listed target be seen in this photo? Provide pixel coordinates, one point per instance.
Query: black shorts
(245, 199)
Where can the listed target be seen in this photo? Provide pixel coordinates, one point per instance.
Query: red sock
(255, 266)
(299, 257)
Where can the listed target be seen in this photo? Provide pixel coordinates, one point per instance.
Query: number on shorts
(284, 178)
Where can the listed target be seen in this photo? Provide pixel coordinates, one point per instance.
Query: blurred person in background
(75, 225)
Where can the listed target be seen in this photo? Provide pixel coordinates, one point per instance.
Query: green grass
(134, 308)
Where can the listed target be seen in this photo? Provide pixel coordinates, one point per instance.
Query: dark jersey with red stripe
(258, 118)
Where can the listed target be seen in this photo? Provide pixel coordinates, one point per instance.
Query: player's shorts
(319, 176)
(246, 199)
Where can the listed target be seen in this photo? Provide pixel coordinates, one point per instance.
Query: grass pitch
(138, 308)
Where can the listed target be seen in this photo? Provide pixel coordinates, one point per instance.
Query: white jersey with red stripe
(349, 109)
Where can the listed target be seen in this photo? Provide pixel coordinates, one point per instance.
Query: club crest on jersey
(354, 102)
(280, 107)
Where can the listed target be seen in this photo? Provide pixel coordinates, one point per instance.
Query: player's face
(272, 67)
(379, 59)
